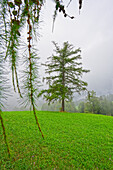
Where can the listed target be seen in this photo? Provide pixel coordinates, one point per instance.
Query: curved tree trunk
(4, 133)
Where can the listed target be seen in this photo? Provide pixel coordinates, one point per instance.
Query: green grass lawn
(72, 141)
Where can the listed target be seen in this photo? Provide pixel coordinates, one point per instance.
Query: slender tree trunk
(63, 83)
(63, 105)
(34, 111)
(4, 133)
(30, 70)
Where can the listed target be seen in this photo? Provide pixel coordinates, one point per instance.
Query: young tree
(93, 104)
(64, 74)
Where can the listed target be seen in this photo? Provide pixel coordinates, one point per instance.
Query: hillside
(72, 140)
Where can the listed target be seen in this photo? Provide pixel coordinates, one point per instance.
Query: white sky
(92, 31)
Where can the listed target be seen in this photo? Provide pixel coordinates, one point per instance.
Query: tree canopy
(64, 74)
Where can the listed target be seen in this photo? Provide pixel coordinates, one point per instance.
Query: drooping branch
(13, 41)
(4, 133)
(30, 69)
(34, 111)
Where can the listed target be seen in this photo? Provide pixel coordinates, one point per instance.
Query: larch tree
(15, 15)
(64, 73)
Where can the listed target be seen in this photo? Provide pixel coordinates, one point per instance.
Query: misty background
(92, 31)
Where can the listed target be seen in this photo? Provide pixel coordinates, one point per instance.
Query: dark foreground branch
(4, 133)
(34, 111)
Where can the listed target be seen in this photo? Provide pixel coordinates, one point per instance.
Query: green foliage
(106, 105)
(30, 85)
(98, 105)
(92, 104)
(81, 107)
(3, 92)
(72, 141)
(15, 16)
(4, 86)
(64, 74)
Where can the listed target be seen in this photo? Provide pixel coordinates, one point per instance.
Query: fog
(92, 31)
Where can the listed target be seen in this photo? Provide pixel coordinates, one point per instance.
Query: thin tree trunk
(30, 70)
(4, 133)
(63, 83)
(63, 105)
(34, 111)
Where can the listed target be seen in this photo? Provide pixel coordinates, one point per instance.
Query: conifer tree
(64, 74)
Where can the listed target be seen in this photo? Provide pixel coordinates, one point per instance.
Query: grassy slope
(72, 140)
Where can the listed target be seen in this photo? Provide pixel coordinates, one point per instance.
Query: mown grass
(72, 141)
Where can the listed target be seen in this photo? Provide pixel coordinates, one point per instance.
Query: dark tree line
(97, 105)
